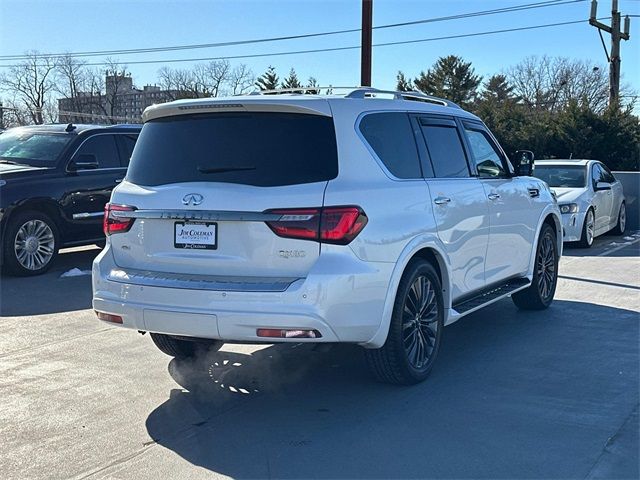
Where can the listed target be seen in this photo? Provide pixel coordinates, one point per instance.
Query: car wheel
(622, 221)
(415, 331)
(588, 230)
(30, 244)
(184, 348)
(539, 294)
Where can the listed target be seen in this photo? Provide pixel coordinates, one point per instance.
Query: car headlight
(569, 208)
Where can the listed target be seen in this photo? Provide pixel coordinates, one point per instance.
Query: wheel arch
(424, 247)
(43, 205)
(551, 217)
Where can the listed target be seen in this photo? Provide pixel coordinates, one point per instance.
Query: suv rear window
(263, 149)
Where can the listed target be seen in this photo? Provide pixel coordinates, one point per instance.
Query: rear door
(602, 200)
(460, 204)
(89, 187)
(203, 186)
(513, 210)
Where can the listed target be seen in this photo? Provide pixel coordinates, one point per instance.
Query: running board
(490, 295)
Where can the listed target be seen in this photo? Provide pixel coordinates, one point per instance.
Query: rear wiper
(224, 169)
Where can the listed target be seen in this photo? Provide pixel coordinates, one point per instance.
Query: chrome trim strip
(78, 216)
(201, 282)
(213, 215)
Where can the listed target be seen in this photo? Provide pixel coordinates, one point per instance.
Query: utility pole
(365, 49)
(616, 36)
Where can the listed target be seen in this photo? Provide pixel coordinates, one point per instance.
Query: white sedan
(590, 198)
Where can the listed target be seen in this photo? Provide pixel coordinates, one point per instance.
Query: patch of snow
(75, 272)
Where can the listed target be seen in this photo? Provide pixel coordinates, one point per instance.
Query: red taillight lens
(108, 317)
(303, 223)
(113, 224)
(341, 225)
(337, 225)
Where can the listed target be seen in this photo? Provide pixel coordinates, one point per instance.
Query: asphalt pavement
(550, 394)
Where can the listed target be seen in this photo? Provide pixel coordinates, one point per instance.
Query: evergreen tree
(451, 78)
(312, 82)
(403, 83)
(292, 80)
(268, 80)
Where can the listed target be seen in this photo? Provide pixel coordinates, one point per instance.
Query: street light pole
(365, 49)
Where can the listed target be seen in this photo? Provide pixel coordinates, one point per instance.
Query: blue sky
(74, 25)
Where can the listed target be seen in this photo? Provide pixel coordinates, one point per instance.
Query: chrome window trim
(66, 167)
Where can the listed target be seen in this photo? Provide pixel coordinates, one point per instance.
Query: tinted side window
(391, 137)
(607, 173)
(103, 148)
(596, 174)
(445, 150)
(487, 159)
(125, 146)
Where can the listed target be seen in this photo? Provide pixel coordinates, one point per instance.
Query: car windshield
(40, 149)
(562, 176)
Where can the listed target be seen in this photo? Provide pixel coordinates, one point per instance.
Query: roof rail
(368, 92)
(361, 92)
(298, 90)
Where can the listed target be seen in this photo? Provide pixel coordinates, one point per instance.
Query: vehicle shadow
(49, 293)
(607, 245)
(513, 395)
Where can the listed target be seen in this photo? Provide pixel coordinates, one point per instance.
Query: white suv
(373, 218)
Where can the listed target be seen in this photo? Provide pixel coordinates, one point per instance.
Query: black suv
(54, 183)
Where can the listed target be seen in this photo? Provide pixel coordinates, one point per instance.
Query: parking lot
(514, 394)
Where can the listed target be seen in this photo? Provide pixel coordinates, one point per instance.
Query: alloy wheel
(546, 267)
(420, 322)
(623, 217)
(34, 244)
(590, 223)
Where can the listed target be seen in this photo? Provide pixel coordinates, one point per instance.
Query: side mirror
(84, 162)
(523, 163)
(601, 186)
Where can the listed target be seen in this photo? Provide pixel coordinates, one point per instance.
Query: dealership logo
(192, 199)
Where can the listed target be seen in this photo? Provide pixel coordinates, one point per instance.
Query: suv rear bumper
(345, 305)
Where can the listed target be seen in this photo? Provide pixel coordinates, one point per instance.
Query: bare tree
(30, 83)
(549, 84)
(241, 80)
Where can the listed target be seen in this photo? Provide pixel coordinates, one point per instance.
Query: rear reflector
(287, 333)
(108, 317)
(337, 225)
(113, 224)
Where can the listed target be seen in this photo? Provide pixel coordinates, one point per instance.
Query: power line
(514, 8)
(354, 47)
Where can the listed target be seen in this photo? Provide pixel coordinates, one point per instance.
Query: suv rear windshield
(30, 148)
(263, 149)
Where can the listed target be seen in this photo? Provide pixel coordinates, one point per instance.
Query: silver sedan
(590, 198)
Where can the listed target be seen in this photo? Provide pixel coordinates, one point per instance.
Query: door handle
(441, 200)
(494, 196)
(118, 180)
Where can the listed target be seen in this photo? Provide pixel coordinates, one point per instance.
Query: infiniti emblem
(192, 199)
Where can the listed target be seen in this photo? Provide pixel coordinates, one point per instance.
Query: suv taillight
(337, 225)
(112, 224)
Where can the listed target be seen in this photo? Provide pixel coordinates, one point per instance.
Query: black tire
(621, 226)
(540, 294)
(46, 236)
(393, 362)
(181, 349)
(586, 239)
